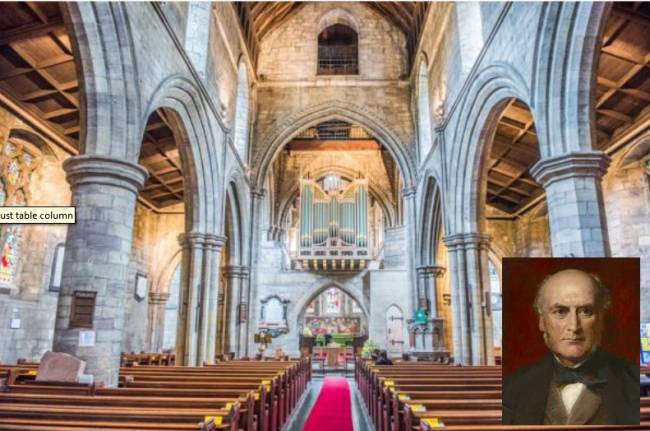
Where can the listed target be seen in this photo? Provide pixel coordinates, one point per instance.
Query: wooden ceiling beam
(37, 94)
(638, 94)
(633, 16)
(55, 61)
(629, 75)
(37, 10)
(615, 115)
(517, 190)
(494, 196)
(155, 176)
(44, 74)
(624, 56)
(58, 113)
(333, 145)
(30, 31)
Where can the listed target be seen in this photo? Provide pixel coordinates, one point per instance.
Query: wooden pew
(392, 393)
(161, 397)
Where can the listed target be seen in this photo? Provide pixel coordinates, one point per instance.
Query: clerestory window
(338, 51)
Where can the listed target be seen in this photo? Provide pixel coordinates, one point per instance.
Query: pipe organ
(333, 224)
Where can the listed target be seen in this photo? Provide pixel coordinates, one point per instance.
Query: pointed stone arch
(199, 156)
(488, 94)
(283, 132)
(106, 68)
(298, 312)
(423, 110)
(564, 80)
(241, 129)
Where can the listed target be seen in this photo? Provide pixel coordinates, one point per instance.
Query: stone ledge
(588, 164)
(86, 169)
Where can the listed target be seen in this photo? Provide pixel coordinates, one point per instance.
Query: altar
(332, 353)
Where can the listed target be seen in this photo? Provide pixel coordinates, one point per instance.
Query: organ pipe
(334, 217)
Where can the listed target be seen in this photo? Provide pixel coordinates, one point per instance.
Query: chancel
(292, 215)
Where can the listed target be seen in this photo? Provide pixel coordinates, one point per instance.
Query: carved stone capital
(236, 271)
(433, 271)
(199, 239)
(466, 240)
(89, 169)
(409, 192)
(215, 241)
(258, 193)
(158, 297)
(587, 164)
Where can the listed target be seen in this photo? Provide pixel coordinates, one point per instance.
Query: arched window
(496, 298)
(338, 51)
(241, 113)
(17, 162)
(424, 112)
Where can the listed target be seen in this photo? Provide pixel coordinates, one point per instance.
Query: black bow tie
(567, 376)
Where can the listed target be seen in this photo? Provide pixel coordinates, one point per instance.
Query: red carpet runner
(332, 410)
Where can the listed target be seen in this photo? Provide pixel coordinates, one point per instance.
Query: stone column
(410, 220)
(427, 296)
(237, 281)
(197, 311)
(98, 246)
(469, 284)
(157, 303)
(458, 287)
(575, 203)
(213, 245)
(257, 198)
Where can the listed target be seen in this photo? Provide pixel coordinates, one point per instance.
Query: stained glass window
(9, 255)
(17, 161)
(311, 308)
(355, 307)
(333, 301)
(3, 193)
(13, 172)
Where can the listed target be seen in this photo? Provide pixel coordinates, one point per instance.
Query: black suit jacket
(525, 391)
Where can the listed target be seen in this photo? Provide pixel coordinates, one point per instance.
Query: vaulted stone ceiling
(259, 18)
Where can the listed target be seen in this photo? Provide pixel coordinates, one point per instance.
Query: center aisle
(332, 410)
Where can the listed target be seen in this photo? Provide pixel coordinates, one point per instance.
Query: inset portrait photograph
(570, 343)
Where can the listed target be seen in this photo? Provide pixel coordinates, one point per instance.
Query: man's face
(571, 318)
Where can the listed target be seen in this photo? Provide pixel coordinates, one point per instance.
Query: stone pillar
(213, 244)
(98, 246)
(197, 310)
(427, 292)
(157, 303)
(257, 198)
(575, 203)
(458, 287)
(472, 329)
(410, 220)
(237, 277)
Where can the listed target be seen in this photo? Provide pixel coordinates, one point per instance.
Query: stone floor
(360, 419)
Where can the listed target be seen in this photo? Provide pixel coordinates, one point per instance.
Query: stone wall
(290, 51)
(289, 86)
(155, 248)
(387, 287)
(626, 192)
(524, 236)
(31, 300)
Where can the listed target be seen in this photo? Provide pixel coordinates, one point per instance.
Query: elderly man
(576, 382)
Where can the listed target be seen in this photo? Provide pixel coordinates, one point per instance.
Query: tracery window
(338, 51)
(17, 162)
(333, 301)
